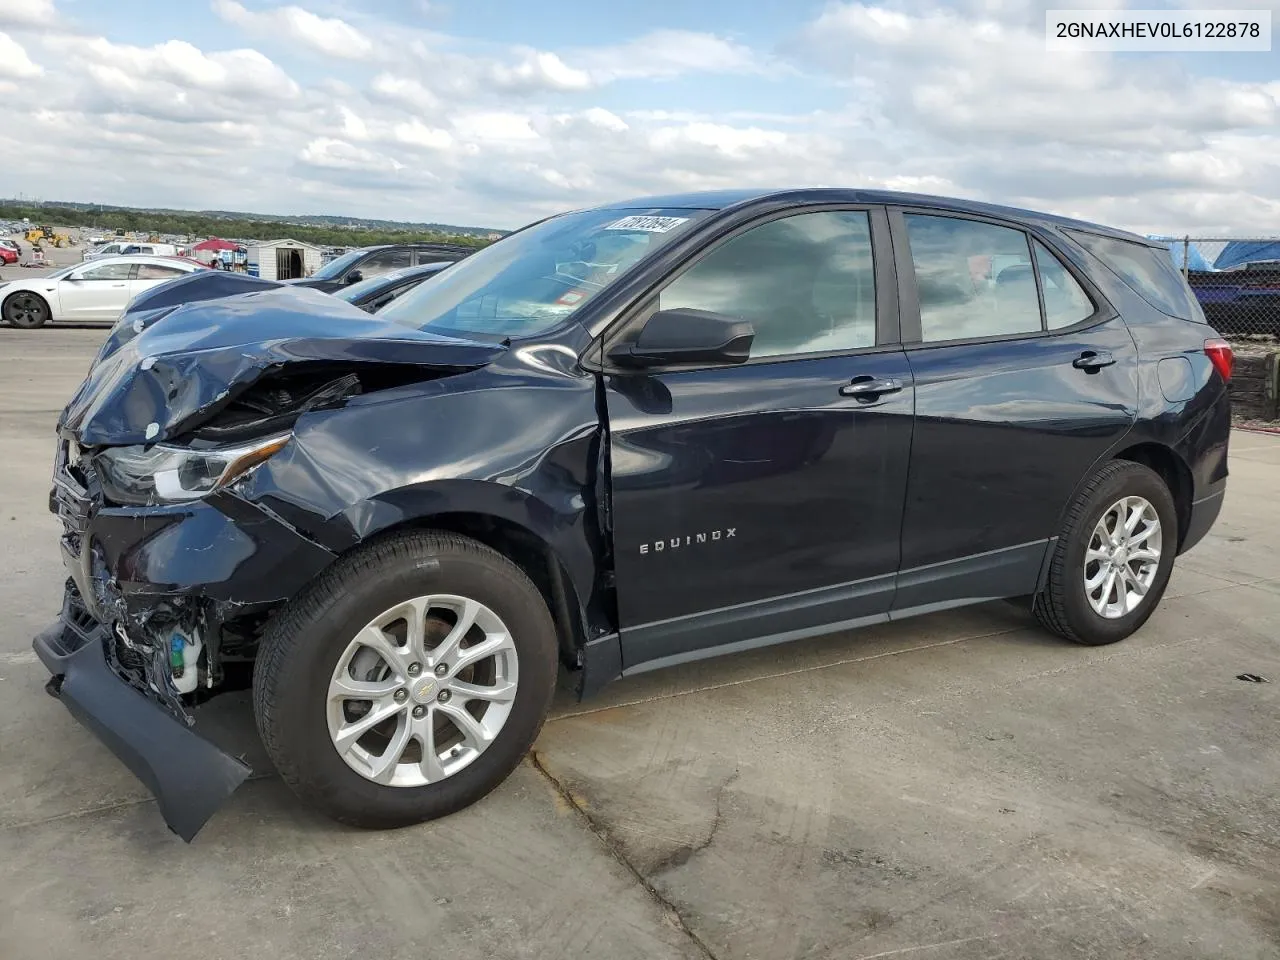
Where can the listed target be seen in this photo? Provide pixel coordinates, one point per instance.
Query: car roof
(405, 273)
(723, 199)
(413, 245)
(156, 258)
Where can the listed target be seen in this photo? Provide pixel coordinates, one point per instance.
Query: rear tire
(308, 646)
(1084, 554)
(25, 310)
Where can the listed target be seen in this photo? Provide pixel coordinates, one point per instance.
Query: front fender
(560, 525)
(517, 440)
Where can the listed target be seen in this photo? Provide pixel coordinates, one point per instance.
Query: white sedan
(93, 292)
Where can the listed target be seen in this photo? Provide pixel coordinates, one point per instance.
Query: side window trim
(1035, 272)
(909, 300)
(884, 271)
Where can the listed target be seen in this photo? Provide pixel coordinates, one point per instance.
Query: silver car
(129, 248)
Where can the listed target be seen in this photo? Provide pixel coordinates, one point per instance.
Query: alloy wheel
(1123, 557)
(25, 310)
(422, 690)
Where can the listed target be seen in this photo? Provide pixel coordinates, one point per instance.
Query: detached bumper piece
(189, 777)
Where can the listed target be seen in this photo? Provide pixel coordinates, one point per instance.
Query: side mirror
(355, 276)
(687, 336)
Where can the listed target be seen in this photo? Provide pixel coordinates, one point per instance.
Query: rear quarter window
(1147, 271)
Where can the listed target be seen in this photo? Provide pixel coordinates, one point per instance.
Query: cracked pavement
(958, 786)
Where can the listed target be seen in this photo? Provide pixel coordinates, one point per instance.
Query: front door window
(806, 283)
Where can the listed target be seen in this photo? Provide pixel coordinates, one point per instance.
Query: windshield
(336, 268)
(534, 279)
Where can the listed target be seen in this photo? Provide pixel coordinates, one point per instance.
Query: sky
(496, 112)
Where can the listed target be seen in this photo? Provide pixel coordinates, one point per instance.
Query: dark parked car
(1243, 300)
(620, 439)
(373, 294)
(367, 262)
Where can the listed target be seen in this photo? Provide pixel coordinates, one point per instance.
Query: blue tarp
(1196, 258)
(1239, 252)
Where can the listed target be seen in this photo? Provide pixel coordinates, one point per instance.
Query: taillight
(1221, 356)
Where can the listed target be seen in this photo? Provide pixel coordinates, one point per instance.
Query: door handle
(1091, 361)
(868, 388)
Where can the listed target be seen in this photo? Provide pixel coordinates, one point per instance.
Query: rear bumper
(189, 777)
(1204, 513)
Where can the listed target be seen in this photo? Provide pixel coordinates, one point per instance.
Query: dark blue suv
(619, 439)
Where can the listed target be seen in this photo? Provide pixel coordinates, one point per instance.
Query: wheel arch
(1167, 464)
(554, 550)
(528, 551)
(1172, 469)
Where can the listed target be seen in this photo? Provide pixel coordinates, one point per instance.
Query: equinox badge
(675, 543)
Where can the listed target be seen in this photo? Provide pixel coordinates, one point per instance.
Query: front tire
(407, 681)
(1113, 557)
(25, 310)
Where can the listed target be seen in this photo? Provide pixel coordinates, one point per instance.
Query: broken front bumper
(133, 573)
(189, 777)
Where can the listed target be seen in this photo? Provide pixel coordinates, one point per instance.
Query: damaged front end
(173, 568)
(189, 776)
(122, 662)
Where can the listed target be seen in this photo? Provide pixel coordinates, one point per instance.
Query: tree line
(199, 226)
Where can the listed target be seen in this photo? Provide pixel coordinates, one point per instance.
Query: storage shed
(283, 259)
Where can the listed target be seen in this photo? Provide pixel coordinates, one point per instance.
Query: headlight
(168, 474)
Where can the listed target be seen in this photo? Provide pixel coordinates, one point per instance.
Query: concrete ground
(960, 786)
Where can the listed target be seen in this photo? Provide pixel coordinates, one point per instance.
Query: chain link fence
(1236, 280)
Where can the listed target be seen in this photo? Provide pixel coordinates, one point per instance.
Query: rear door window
(428, 256)
(973, 279)
(154, 271)
(1065, 301)
(1147, 271)
(384, 262)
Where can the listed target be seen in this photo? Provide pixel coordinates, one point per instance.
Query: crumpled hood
(160, 301)
(169, 376)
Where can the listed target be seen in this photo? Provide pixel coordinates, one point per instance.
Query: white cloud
(180, 64)
(327, 35)
(737, 142)
(959, 99)
(353, 125)
(495, 126)
(979, 75)
(404, 92)
(27, 13)
(14, 62)
(981, 101)
(328, 152)
(418, 134)
(603, 118)
(663, 54)
(540, 70)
